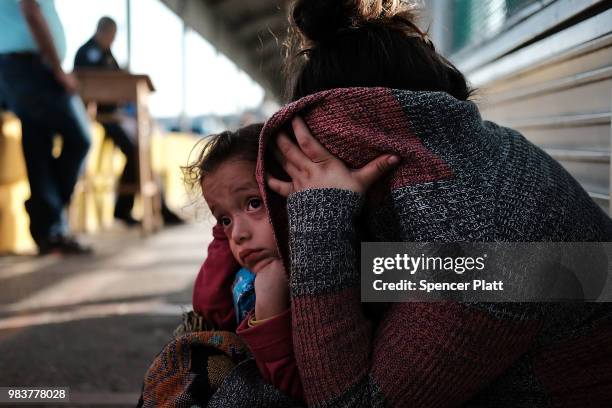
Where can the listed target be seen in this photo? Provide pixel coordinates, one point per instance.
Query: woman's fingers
(311, 165)
(283, 188)
(290, 153)
(289, 167)
(375, 169)
(309, 145)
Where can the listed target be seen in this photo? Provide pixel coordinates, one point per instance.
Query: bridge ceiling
(249, 32)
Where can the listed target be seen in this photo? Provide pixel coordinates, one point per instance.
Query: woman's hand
(271, 290)
(310, 165)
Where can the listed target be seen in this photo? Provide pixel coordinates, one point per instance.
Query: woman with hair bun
(371, 89)
(364, 43)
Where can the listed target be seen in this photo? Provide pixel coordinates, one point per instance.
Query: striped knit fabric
(461, 179)
(207, 368)
(190, 369)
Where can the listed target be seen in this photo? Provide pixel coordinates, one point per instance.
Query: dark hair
(105, 23)
(241, 144)
(363, 43)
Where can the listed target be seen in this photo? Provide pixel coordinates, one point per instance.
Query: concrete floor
(94, 323)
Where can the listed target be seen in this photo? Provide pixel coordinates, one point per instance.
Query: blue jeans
(45, 109)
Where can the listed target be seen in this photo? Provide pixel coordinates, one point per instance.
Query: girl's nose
(241, 230)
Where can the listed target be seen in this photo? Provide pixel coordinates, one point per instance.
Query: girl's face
(232, 194)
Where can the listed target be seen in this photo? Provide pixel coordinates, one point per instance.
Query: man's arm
(43, 38)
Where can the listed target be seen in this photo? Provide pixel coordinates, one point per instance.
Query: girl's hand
(310, 165)
(271, 290)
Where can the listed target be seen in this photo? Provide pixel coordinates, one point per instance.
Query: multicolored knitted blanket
(191, 368)
(206, 369)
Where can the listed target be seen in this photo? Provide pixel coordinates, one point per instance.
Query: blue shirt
(243, 292)
(15, 35)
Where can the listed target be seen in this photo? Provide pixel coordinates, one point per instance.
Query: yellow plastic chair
(14, 189)
(92, 205)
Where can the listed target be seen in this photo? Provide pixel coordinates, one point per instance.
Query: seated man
(96, 54)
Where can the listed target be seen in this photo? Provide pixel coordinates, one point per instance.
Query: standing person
(42, 95)
(96, 53)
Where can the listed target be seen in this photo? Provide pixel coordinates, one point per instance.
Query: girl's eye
(254, 203)
(225, 221)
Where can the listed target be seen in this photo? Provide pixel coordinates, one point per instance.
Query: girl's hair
(363, 43)
(242, 144)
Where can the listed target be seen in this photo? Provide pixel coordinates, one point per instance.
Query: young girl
(243, 237)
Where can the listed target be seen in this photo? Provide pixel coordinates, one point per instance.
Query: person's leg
(69, 118)
(24, 87)
(73, 125)
(169, 217)
(125, 200)
(126, 142)
(45, 205)
(41, 105)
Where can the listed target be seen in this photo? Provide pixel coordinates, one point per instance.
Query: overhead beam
(128, 11)
(274, 23)
(211, 26)
(244, 7)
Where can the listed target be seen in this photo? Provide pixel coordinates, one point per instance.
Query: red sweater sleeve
(212, 291)
(271, 345)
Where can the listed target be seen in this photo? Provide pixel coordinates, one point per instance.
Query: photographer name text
(418, 264)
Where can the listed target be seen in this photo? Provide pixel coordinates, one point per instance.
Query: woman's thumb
(376, 169)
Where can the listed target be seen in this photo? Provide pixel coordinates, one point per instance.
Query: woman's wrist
(323, 210)
(322, 239)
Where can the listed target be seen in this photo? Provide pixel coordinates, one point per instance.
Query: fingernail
(393, 160)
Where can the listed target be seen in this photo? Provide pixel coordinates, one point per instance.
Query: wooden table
(120, 87)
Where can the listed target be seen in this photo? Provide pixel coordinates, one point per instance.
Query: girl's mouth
(261, 263)
(251, 257)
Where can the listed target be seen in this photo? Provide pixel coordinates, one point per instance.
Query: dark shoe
(64, 245)
(171, 218)
(127, 220)
(47, 247)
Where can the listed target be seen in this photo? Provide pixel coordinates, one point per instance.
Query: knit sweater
(461, 179)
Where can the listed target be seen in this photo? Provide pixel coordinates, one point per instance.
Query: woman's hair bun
(321, 19)
(318, 20)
